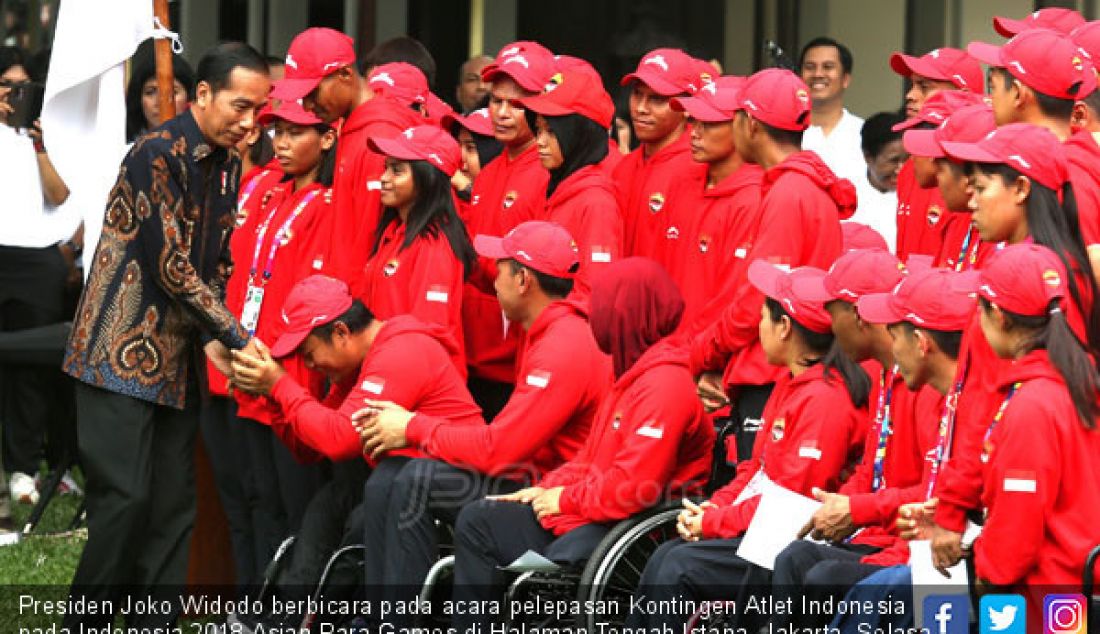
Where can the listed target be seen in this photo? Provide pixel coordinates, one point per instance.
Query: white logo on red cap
(523, 254)
(657, 60)
(435, 159)
(1018, 66)
(914, 317)
(319, 319)
(517, 59)
(408, 133)
(330, 65)
(712, 88)
(749, 103)
(960, 80)
(511, 51)
(290, 61)
(384, 77)
(1019, 159)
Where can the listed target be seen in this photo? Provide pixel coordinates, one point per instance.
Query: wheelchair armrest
(531, 561)
(1090, 572)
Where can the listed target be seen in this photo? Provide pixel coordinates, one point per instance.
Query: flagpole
(166, 83)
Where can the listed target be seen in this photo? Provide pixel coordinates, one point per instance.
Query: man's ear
(784, 328)
(203, 94)
(1081, 115)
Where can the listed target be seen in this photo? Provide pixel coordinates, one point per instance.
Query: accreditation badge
(250, 314)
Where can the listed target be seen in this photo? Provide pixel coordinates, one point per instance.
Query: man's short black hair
(11, 56)
(948, 341)
(217, 64)
(401, 49)
(356, 318)
(842, 51)
(877, 131)
(779, 135)
(556, 287)
(1053, 107)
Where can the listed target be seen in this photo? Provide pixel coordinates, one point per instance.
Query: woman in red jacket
(283, 238)
(1041, 454)
(421, 252)
(571, 122)
(814, 425)
(649, 440)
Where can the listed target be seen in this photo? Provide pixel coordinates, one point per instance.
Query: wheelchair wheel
(616, 566)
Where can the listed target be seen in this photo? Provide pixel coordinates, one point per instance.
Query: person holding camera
(39, 244)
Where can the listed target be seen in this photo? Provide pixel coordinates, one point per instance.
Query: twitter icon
(1003, 614)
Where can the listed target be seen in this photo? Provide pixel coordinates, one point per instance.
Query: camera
(25, 98)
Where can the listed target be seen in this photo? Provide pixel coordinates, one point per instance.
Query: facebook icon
(946, 614)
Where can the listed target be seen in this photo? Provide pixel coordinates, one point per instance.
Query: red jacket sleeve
(811, 454)
(599, 240)
(1021, 491)
(435, 283)
(644, 458)
(544, 400)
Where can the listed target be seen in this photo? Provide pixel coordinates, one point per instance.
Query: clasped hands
(251, 369)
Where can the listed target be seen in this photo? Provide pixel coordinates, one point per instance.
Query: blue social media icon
(1003, 614)
(946, 614)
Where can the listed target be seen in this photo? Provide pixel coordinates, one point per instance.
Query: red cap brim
(288, 342)
(490, 247)
(543, 104)
(294, 89)
(878, 308)
(655, 81)
(922, 143)
(765, 277)
(700, 109)
(395, 148)
(967, 282)
(268, 117)
(1008, 27)
(810, 286)
(493, 71)
(911, 122)
(907, 65)
(985, 53)
(970, 152)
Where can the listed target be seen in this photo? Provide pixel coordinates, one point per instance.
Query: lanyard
(1001, 410)
(946, 431)
(882, 417)
(967, 260)
(280, 236)
(251, 187)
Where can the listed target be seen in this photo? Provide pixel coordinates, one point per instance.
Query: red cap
(966, 125)
(853, 275)
(401, 82)
(544, 246)
(1052, 18)
(927, 299)
(530, 64)
(939, 106)
(855, 235)
(1087, 36)
(422, 143)
(313, 302)
(670, 72)
(1021, 278)
(291, 111)
(574, 91)
(942, 64)
(777, 97)
(438, 110)
(1030, 149)
(477, 122)
(717, 101)
(779, 284)
(313, 55)
(1042, 60)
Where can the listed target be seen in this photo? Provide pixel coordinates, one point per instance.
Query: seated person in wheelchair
(814, 424)
(650, 440)
(925, 315)
(859, 518)
(1041, 455)
(563, 375)
(402, 360)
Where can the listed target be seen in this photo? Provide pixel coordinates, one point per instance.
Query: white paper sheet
(928, 581)
(775, 525)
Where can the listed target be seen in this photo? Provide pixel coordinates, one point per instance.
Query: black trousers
(282, 487)
(491, 396)
(35, 400)
(491, 534)
(817, 571)
(226, 445)
(422, 492)
(138, 459)
(680, 571)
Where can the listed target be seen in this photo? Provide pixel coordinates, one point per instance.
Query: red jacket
(584, 203)
(811, 432)
(1040, 469)
(356, 186)
(712, 259)
(920, 212)
(506, 192)
(649, 440)
(1084, 174)
(962, 248)
(546, 420)
(407, 364)
(646, 201)
(803, 204)
(914, 420)
(424, 280)
(254, 185)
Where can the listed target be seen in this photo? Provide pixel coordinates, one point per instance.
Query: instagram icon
(1064, 614)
